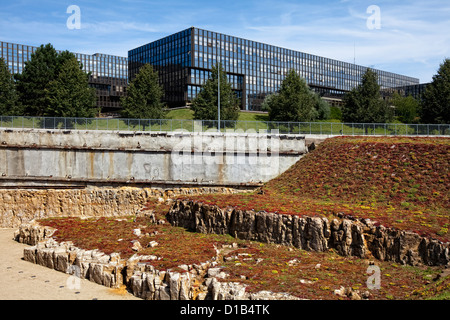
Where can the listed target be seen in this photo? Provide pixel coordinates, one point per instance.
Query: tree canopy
(435, 107)
(205, 105)
(9, 102)
(53, 84)
(295, 101)
(364, 103)
(69, 95)
(406, 108)
(144, 94)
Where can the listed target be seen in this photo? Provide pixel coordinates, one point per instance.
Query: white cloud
(115, 27)
(411, 34)
(413, 38)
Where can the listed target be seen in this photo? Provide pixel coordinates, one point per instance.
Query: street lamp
(218, 95)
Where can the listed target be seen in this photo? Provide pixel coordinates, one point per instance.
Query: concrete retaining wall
(71, 157)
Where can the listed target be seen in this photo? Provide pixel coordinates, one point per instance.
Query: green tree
(335, 113)
(406, 108)
(33, 83)
(69, 95)
(205, 105)
(435, 107)
(294, 102)
(144, 94)
(9, 104)
(364, 103)
(323, 107)
(265, 106)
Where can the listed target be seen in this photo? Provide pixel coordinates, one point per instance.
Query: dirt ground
(22, 280)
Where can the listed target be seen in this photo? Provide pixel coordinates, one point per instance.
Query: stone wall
(196, 282)
(19, 206)
(349, 237)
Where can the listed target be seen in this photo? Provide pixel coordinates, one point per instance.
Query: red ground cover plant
(397, 181)
(372, 170)
(106, 234)
(307, 275)
(400, 182)
(115, 234)
(314, 275)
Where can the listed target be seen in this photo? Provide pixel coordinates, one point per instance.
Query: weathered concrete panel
(209, 158)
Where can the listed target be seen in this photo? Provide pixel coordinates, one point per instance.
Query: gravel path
(22, 280)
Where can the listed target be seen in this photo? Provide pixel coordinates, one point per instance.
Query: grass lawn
(188, 114)
(178, 119)
(253, 116)
(247, 121)
(180, 114)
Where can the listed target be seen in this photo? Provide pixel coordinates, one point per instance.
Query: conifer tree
(69, 95)
(294, 102)
(9, 104)
(205, 105)
(33, 82)
(364, 103)
(435, 107)
(144, 96)
(36, 84)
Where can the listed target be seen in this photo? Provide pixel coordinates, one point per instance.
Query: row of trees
(51, 84)
(364, 103)
(144, 96)
(296, 102)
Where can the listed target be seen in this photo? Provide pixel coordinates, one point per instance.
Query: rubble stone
(349, 237)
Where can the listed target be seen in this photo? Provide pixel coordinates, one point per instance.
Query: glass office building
(184, 61)
(416, 91)
(108, 74)
(171, 57)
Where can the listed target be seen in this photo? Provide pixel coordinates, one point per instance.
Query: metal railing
(171, 125)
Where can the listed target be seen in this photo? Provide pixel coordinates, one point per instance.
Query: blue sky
(413, 38)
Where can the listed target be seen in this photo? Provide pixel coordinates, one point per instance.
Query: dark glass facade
(416, 90)
(171, 57)
(108, 74)
(255, 69)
